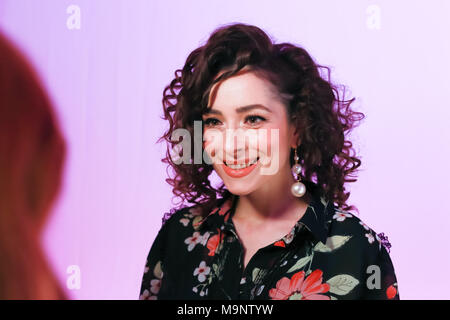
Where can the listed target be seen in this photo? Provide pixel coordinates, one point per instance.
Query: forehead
(245, 88)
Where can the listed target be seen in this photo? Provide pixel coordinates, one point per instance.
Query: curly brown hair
(314, 106)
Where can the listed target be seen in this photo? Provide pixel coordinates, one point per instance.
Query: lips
(236, 163)
(239, 173)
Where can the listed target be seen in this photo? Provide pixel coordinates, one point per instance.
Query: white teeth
(241, 166)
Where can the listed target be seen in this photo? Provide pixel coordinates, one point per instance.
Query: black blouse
(328, 254)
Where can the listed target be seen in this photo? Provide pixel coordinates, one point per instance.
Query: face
(247, 124)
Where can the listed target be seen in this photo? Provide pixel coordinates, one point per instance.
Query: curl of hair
(314, 106)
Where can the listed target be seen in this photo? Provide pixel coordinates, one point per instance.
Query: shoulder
(184, 218)
(364, 252)
(351, 226)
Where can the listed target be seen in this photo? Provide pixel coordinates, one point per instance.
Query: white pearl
(296, 169)
(298, 189)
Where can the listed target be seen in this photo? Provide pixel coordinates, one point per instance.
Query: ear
(295, 140)
(295, 145)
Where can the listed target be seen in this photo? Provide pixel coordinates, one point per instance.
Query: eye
(254, 119)
(211, 122)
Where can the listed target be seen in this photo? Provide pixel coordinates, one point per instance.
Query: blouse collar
(315, 219)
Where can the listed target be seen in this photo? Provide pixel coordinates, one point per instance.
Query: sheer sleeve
(381, 282)
(154, 267)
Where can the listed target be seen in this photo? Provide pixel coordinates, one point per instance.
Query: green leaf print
(255, 273)
(342, 284)
(333, 243)
(300, 263)
(157, 271)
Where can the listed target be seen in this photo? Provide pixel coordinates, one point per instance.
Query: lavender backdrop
(106, 62)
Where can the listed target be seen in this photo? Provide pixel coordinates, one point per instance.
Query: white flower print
(290, 236)
(379, 240)
(155, 285)
(192, 241)
(341, 216)
(146, 296)
(195, 211)
(205, 238)
(370, 237)
(364, 225)
(184, 221)
(202, 270)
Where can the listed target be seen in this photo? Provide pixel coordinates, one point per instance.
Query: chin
(240, 189)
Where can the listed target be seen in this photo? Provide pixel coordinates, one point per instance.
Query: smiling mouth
(239, 171)
(243, 165)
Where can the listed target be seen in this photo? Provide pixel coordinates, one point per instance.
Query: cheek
(274, 146)
(269, 139)
(208, 147)
(212, 143)
(206, 143)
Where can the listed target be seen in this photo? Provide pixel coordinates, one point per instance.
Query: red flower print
(280, 243)
(224, 208)
(214, 242)
(299, 288)
(391, 292)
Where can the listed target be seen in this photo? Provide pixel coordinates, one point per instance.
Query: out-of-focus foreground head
(32, 156)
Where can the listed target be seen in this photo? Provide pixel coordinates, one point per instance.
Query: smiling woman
(282, 233)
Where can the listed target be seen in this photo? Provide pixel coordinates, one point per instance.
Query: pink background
(106, 81)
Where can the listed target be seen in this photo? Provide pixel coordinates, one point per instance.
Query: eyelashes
(253, 119)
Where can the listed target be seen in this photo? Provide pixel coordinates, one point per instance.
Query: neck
(271, 202)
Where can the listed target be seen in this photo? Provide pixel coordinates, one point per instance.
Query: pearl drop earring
(298, 189)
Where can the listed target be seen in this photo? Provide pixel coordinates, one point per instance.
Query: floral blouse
(329, 254)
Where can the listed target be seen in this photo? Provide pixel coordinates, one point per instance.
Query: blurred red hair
(32, 154)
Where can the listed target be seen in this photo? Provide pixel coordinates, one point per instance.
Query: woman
(278, 227)
(32, 153)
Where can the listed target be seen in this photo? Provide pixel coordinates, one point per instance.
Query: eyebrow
(240, 109)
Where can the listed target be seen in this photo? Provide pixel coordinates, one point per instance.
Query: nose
(235, 144)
